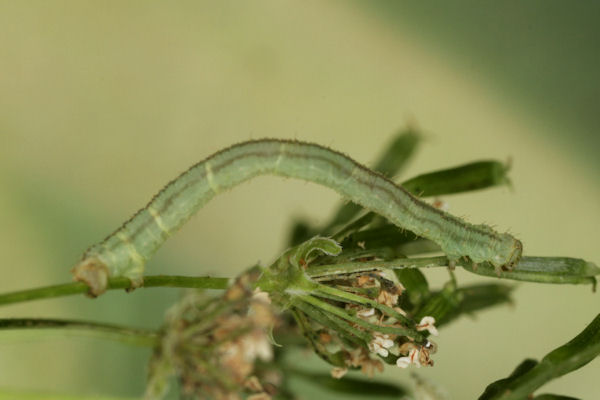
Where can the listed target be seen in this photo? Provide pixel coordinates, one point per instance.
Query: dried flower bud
(212, 345)
(338, 373)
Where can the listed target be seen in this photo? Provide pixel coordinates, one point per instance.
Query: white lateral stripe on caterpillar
(182, 197)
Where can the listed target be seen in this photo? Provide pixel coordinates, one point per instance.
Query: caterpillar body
(125, 251)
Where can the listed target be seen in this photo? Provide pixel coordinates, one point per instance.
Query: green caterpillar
(125, 251)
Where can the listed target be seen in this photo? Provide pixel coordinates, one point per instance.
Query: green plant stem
(340, 295)
(68, 289)
(556, 270)
(364, 266)
(127, 335)
(324, 306)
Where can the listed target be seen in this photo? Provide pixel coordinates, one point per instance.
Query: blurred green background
(102, 103)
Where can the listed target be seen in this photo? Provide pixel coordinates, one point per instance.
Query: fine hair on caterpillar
(126, 250)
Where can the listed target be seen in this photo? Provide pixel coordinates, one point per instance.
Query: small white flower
(403, 362)
(427, 324)
(380, 344)
(412, 358)
(366, 313)
(256, 345)
(264, 351)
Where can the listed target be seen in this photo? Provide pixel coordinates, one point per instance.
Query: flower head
(213, 344)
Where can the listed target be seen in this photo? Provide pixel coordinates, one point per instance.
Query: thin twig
(68, 289)
(123, 334)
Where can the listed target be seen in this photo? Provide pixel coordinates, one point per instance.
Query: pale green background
(102, 103)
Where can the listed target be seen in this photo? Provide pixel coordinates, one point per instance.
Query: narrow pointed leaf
(475, 298)
(464, 178)
(441, 304)
(415, 283)
(573, 355)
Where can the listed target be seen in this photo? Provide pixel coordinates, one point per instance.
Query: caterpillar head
(508, 253)
(515, 255)
(93, 273)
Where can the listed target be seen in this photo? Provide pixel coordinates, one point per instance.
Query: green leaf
(553, 397)
(396, 155)
(499, 386)
(475, 298)
(415, 283)
(526, 379)
(385, 235)
(317, 245)
(441, 303)
(473, 176)
(452, 302)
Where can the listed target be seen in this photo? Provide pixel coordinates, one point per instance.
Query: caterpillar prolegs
(125, 251)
